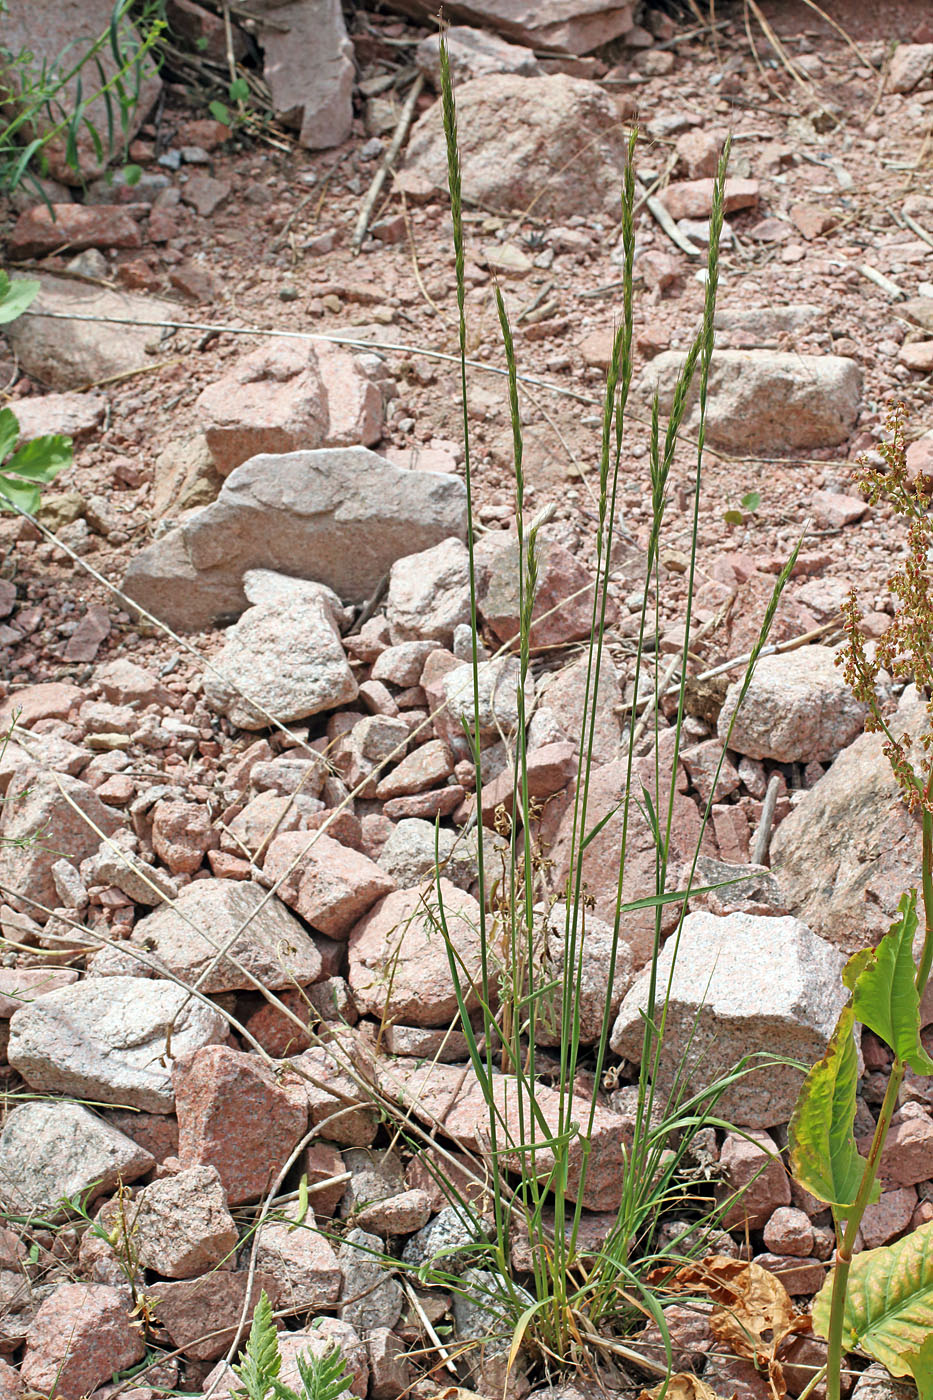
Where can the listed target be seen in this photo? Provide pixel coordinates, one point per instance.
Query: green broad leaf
(42, 459)
(238, 90)
(733, 517)
(823, 1156)
(9, 431)
(220, 113)
(17, 495)
(132, 174)
(751, 501)
(889, 1306)
(16, 296)
(885, 994)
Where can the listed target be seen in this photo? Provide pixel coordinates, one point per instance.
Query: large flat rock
(766, 401)
(555, 144)
(566, 26)
(68, 354)
(105, 1039)
(52, 1150)
(339, 516)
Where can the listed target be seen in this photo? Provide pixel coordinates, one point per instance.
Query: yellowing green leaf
(885, 995)
(823, 1156)
(889, 1306)
(922, 1369)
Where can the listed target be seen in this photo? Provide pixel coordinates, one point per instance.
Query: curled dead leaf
(456, 1392)
(685, 1386)
(753, 1311)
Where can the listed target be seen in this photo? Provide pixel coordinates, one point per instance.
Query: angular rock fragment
(473, 53)
(328, 884)
(798, 708)
(233, 1115)
(447, 1094)
(767, 402)
(289, 396)
(68, 354)
(299, 1262)
(270, 943)
(53, 1151)
(282, 661)
(181, 1224)
(551, 143)
(399, 966)
(308, 64)
(563, 604)
(850, 848)
(39, 825)
(742, 985)
(81, 1336)
(429, 594)
(541, 24)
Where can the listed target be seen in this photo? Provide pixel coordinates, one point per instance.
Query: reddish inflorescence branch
(905, 651)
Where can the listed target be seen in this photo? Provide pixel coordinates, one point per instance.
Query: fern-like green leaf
(322, 1377)
(259, 1365)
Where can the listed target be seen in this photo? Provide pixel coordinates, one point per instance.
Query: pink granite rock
(80, 1336)
(751, 1164)
(398, 956)
(202, 1315)
(299, 1263)
(693, 199)
(181, 835)
(233, 1115)
(287, 396)
(181, 1224)
(789, 1231)
(327, 883)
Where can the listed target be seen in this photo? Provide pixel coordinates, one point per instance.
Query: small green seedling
(238, 92)
(322, 1377)
(749, 502)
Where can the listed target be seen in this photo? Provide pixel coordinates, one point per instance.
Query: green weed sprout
(322, 1377)
(46, 102)
(23, 469)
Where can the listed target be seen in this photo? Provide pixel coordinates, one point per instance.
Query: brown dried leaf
(753, 1312)
(685, 1386)
(456, 1392)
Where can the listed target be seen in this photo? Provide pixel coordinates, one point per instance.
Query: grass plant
(46, 103)
(576, 1298)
